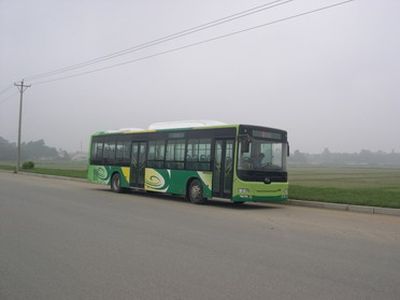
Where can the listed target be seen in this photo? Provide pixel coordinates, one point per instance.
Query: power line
(7, 98)
(6, 89)
(161, 40)
(200, 42)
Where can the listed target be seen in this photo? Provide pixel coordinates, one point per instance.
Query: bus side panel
(102, 174)
(174, 181)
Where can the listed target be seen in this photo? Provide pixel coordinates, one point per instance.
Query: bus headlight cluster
(243, 191)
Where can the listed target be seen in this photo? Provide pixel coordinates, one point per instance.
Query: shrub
(28, 165)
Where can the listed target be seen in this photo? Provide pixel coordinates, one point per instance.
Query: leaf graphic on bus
(101, 173)
(155, 181)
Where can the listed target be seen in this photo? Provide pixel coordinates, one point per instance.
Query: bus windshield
(261, 155)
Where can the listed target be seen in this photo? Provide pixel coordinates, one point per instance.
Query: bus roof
(138, 130)
(129, 131)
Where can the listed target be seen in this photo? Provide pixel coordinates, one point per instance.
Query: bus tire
(195, 192)
(116, 183)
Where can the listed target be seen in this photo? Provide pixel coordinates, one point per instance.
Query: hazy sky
(331, 79)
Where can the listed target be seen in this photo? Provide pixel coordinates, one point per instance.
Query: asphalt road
(71, 240)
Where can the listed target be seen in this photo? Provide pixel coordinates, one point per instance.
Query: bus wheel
(116, 183)
(195, 192)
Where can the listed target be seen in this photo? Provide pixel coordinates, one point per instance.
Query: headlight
(243, 191)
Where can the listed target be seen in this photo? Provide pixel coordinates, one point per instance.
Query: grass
(350, 185)
(59, 172)
(68, 169)
(7, 167)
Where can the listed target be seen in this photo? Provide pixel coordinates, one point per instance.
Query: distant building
(79, 156)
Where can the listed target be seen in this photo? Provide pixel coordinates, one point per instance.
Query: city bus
(241, 163)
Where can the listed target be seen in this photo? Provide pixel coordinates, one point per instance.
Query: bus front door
(138, 164)
(223, 168)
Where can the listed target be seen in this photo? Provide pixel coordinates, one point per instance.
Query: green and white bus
(237, 162)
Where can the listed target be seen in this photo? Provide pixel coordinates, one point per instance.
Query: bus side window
(99, 151)
(122, 152)
(175, 155)
(106, 151)
(198, 154)
(155, 155)
(111, 156)
(127, 152)
(109, 152)
(119, 152)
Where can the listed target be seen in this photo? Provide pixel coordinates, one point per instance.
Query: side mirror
(288, 149)
(245, 146)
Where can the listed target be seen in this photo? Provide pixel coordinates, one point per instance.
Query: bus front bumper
(260, 192)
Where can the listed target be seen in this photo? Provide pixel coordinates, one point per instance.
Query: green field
(68, 169)
(350, 185)
(60, 172)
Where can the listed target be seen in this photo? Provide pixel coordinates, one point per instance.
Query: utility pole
(21, 87)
